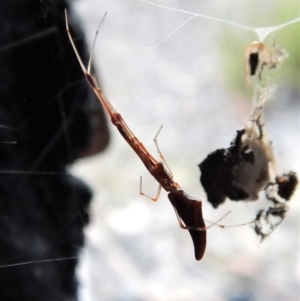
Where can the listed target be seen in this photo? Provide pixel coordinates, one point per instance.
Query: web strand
(261, 32)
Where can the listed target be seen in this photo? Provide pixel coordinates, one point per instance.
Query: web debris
(248, 166)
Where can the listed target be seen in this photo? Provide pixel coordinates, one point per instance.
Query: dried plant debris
(277, 193)
(247, 167)
(286, 185)
(258, 56)
(241, 171)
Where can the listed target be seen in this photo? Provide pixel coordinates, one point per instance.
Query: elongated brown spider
(188, 209)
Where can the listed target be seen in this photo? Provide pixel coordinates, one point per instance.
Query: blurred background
(158, 70)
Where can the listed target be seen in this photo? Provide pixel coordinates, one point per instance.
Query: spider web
(162, 65)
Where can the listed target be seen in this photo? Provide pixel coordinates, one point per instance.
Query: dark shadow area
(48, 119)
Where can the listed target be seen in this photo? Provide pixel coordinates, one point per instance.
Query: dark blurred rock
(49, 117)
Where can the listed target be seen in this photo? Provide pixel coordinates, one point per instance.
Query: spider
(188, 209)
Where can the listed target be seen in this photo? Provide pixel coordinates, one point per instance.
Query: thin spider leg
(94, 43)
(91, 80)
(160, 153)
(227, 226)
(147, 196)
(183, 226)
(216, 223)
(73, 45)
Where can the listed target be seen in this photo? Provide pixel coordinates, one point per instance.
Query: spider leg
(160, 153)
(147, 196)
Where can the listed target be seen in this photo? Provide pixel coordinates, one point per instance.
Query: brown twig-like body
(188, 210)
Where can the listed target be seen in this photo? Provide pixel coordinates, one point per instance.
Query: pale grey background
(135, 248)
